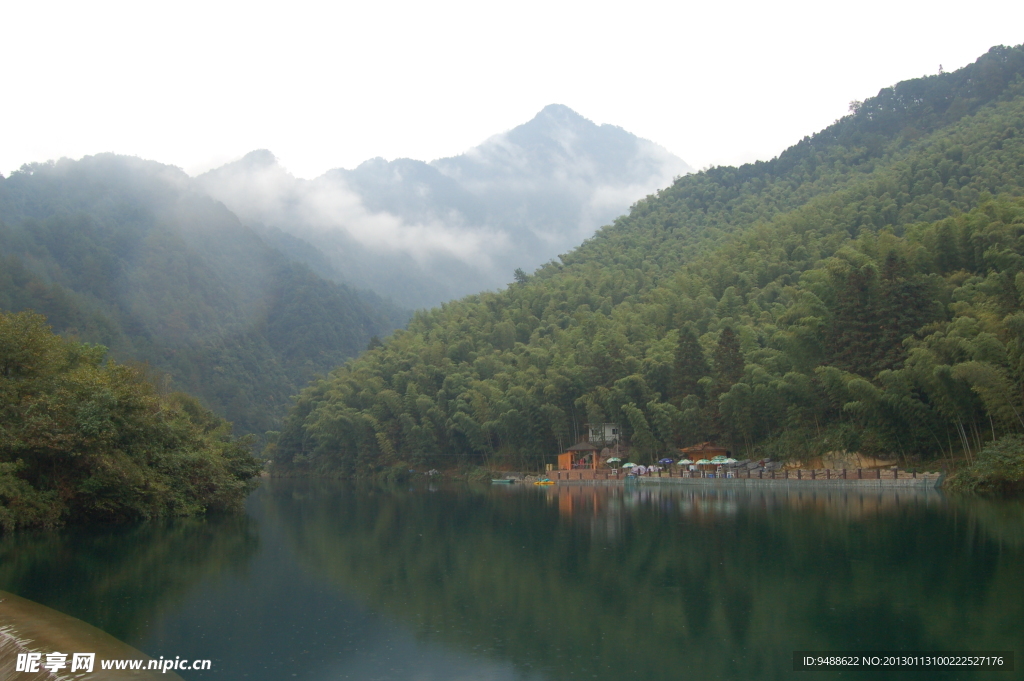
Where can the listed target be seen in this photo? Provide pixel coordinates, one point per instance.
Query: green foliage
(860, 292)
(728, 360)
(872, 314)
(689, 365)
(81, 438)
(999, 468)
(128, 254)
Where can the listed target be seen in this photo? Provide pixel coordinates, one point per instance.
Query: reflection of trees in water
(646, 582)
(601, 508)
(120, 579)
(997, 519)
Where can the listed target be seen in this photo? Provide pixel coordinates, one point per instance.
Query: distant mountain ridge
(424, 232)
(236, 284)
(131, 254)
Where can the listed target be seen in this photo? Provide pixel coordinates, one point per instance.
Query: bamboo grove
(861, 292)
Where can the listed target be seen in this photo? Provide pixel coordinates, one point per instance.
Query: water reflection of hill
(648, 582)
(121, 579)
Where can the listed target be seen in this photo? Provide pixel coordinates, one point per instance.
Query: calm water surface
(322, 580)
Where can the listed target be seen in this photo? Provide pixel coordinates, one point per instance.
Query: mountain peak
(560, 114)
(260, 158)
(559, 110)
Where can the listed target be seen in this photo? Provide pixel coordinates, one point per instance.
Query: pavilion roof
(703, 447)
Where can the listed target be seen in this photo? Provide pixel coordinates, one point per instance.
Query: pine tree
(872, 317)
(853, 336)
(688, 368)
(905, 304)
(728, 361)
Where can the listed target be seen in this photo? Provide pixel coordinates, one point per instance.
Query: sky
(330, 84)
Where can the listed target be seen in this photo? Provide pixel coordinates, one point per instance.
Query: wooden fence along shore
(824, 476)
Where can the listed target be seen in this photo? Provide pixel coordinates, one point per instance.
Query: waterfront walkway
(857, 477)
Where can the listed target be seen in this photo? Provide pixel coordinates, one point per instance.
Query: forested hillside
(860, 292)
(126, 253)
(82, 438)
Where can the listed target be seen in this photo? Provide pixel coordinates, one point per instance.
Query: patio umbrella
(629, 465)
(703, 461)
(666, 461)
(684, 462)
(614, 459)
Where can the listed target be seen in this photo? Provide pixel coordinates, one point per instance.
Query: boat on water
(545, 481)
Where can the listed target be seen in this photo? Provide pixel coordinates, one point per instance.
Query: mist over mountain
(130, 254)
(237, 283)
(423, 232)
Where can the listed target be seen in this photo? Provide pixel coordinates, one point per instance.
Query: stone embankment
(27, 627)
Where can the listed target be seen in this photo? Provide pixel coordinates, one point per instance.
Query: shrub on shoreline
(82, 438)
(999, 468)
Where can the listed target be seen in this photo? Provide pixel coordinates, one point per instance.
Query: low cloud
(427, 232)
(260, 191)
(329, 205)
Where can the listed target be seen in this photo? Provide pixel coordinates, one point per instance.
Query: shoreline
(849, 478)
(915, 483)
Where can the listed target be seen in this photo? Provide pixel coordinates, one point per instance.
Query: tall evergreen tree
(905, 304)
(688, 368)
(873, 315)
(728, 361)
(853, 335)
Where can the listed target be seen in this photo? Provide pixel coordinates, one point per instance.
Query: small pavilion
(579, 455)
(704, 450)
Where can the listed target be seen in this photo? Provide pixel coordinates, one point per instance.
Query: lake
(326, 580)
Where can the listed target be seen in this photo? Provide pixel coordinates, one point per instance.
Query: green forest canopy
(86, 439)
(861, 292)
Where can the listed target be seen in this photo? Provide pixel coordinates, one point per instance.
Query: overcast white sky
(331, 84)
